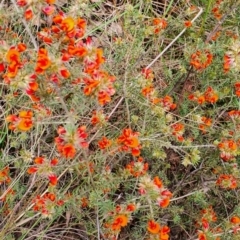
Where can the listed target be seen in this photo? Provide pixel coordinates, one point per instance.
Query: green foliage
(103, 138)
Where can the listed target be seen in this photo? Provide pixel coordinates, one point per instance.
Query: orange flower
(205, 123)
(129, 138)
(158, 182)
(137, 168)
(21, 47)
(147, 74)
(50, 1)
(210, 95)
(68, 150)
(65, 73)
(67, 24)
(188, 24)
(43, 62)
(227, 63)
(159, 24)
(202, 236)
(178, 130)
(104, 143)
(164, 233)
(163, 202)
(13, 56)
(46, 204)
(119, 221)
(68, 142)
(228, 148)
(103, 97)
(23, 122)
(4, 175)
(84, 202)
(129, 141)
(235, 220)
(153, 227)
(237, 89)
(28, 14)
(131, 207)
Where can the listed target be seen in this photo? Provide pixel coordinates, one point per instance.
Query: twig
(189, 194)
(98, 226)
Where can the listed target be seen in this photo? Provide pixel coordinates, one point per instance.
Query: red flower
(53, 179)
(119, 222)
(68, 150)
(188, 24)
(153, 227)
(28, 14)
(104, 143)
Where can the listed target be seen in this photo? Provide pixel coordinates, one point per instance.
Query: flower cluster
(201, 59)
(157, 231)
(6, 198)
(100, 84)
(209, 96)
(46, 204)
(235, 115)
(235, 224)
(71, 140)
(12, 60)
(150, 92)
(43, 167)
(118, 219)
(205, 124)
(72, 48)
(137, 168)
(208, 216)
(228, 149)
(43, 61)
(23, 121)
(4, 176)
(104, 143)
(41, 111)
(159, 24)
(129, 141)
(8, 194)
(178, 131)
(155, 190)
(167, 103)
(227, 181)
(231, 58)
(217, 13)
(98, 118)
(237, 89)
(30, 7)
